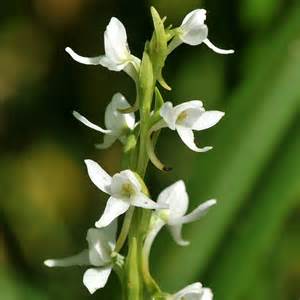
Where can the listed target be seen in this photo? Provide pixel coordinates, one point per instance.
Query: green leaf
(132, 278)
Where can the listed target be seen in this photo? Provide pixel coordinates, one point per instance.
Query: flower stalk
(126, 190)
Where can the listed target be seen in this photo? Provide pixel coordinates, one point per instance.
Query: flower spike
(126, 190)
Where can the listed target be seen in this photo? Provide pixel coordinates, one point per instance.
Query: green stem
(137, 266)
(133, 284)
(125, 229)
(143, 158)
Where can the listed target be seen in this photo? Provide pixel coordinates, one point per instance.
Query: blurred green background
(248, 247)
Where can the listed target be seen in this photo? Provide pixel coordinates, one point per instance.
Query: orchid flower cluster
(127, 250)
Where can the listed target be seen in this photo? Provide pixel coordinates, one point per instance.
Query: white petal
(176, 232)
(115, 120)
(189, 104)
(192, 104)
(208, 119)
(115, 40)
(176, 198)
(125, 179)
(167, 113)
(197, 16)
(129, 120)
(101, 244)
(189, 118)
(111, 64)
(96, 278)
(89, 124)
(108, 140)
(194, 31)
(192, 289)
(114, 208)
(141, 200)
(80, 259)
(196, 214)
(187, 136)
(129, 176)
(195, 36)
(207, 294)
(188, 113)
(98, 176)
(84, 60)
(210, 45)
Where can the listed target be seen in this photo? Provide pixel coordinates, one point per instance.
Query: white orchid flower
(194, 291)
(193, 32)
(101, 244)
(117, 54)
(124, 188)
(117, 123)
(189, 116)
(176, 199)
